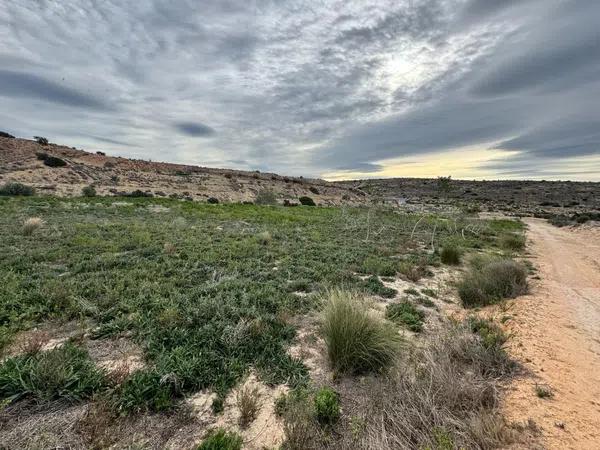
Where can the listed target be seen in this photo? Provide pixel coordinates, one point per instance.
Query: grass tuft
(357, 341)
(450, 255)
(32, 224)
(221, 440)
(406, 314)
(248, 403)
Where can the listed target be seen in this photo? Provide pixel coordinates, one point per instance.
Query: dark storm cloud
(26, 85)
(308, 87)
(195, 129)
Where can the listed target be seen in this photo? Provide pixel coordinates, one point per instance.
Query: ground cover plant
(206, 290)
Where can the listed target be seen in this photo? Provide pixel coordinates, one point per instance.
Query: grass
(407, 314)
(357, 341)
(31, 224)
(221, 440)
(450, 255)
(206, 290)
(491, 280)
(248, 403)
(65, 372)
(374, 285)
(511, 241)
(327, 406)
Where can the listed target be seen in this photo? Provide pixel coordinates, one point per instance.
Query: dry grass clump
(248, 403)
(490, 281)
(357, 341)
(32, 224)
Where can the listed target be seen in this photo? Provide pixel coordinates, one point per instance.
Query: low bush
(450, 255)
(65, 372)
(139, 194)
(406, 314)
(327, 406)
(4, 134)
(41, 140)
(374, 285)
(511, 241)
(54, 161)
(265, 197)
(307, 201)
(221, 440)
(41, 156)
(412, 272)
(357, 341)
(212, 200)
(89, 191)
(314, 190)
(378, 266)
(490, 281)
(13, 188)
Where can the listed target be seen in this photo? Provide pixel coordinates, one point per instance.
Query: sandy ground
(556, 336)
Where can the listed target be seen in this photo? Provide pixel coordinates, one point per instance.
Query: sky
(482, 89)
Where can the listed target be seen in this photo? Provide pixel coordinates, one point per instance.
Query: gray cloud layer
(308, 87)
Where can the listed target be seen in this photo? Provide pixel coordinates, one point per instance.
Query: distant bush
(139, 193)
(65, 372)
(41, 156)
(6, 135)
(407, 314)
(450, 255)
(41, 140)
(357, 341)
(314, 190)
(286, 202)
(13, 188)
(212, 200)
(511, 241)
(307, 201)
(490, 281)
(89, 191)
(53, 161)
(100, 153)
(221, 440)
(265, 197)
(327, 406)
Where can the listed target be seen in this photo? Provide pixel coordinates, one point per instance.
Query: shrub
(407, 314)
(41, 140)
(31, 224)
(247, 401)
(487, 353)
(307, 201)
(511, 241)
(41, 156)
(450, 255)
(221, 440)
(4, 134)
(212, 200)
(491, 281)
(89, 191)
(265, 197)
(264, 237)
(139, 193)
(379, 266)
(314, 190)
(357, 341)
(327, 406)
(413, 272)
(17, 189)
(543, 391)
(53, 161)
(65, 372)
(374, 285)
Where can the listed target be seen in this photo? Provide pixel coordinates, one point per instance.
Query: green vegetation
(490, 280)
(450, 255)
(265, 197)
(511, 241)
(357, 341)
(221, 440)
(327, 406)
(307, 201)
(406, 313)
(54, 161)
(16, 189)
(89, 191)
(374, 285)
(65, 372)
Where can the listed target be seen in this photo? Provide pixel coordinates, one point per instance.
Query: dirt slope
(557, 338)
(116, 176)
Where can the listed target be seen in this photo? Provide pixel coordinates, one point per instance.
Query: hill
(22, 160)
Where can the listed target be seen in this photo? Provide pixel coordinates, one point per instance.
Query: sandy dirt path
(556, 336)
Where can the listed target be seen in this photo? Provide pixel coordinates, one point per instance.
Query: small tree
(307, 201)
(89, 191)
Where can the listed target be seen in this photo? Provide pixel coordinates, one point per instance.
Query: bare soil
(556, 337)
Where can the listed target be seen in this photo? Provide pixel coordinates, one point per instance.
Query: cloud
(307, 88)
(26, 85)
(195, 129)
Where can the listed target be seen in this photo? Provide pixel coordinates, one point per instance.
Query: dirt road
(556, 336)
